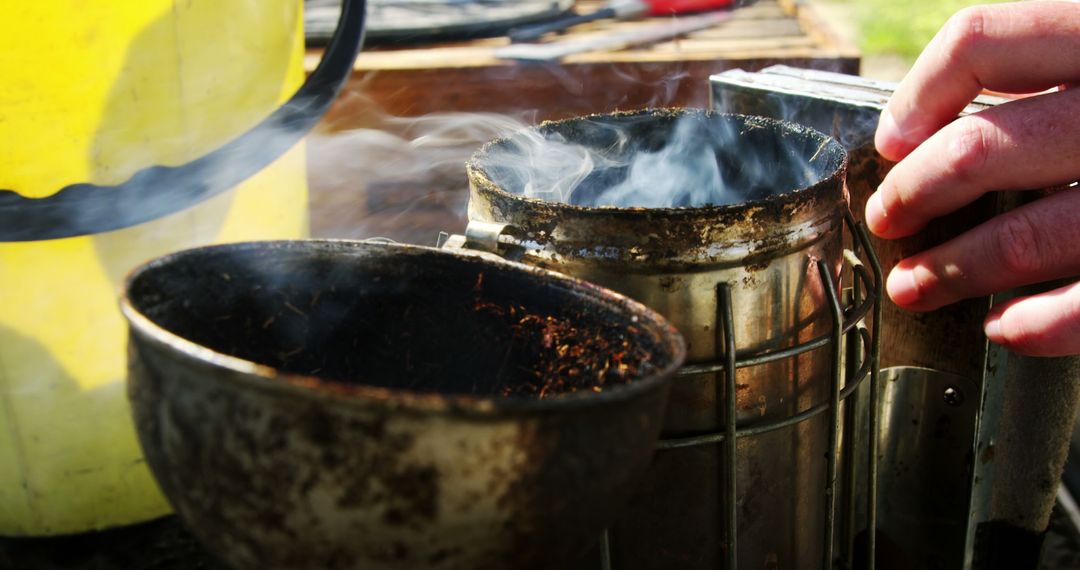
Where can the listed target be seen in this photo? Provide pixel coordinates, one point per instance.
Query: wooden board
(466, 77)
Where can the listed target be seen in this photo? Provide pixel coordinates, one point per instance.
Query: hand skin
(945, 163)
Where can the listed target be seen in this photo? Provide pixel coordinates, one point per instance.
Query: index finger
(1013, 48)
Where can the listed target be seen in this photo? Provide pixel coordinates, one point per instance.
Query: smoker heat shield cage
(854, 345)
(733, 484)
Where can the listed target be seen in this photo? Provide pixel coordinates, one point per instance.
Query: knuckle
(971, 147)
(1019, 246)
(966, 30)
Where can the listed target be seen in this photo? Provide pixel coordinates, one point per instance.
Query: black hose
(157, 191)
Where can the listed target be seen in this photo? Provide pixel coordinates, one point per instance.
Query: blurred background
(889, 34)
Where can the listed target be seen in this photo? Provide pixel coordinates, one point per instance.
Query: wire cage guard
(847, 374)
(847, 371)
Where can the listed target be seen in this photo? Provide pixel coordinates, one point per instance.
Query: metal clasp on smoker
(491, 237)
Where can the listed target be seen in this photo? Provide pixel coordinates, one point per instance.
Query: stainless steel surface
(418, 466)
(1026, 403)
(928, 426)
(949, 339)
(767, 252)
(980, 488)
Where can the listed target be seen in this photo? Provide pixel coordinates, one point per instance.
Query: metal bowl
(321, 404)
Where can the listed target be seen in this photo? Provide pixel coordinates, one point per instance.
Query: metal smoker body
(766, 254)
(963, 494)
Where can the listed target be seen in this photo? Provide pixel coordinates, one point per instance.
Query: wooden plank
(760, 45)
(815, 26)
(776, 27)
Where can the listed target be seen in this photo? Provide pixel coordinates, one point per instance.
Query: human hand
(946, 163)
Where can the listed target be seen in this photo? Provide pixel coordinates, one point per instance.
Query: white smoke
(402, 178)
(685, 171)
(653, 161)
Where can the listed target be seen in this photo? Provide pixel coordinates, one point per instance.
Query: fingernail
(876, 219)
(992, 328)
(888, 134)
(887, 126)
(889, 138)
(901, 287)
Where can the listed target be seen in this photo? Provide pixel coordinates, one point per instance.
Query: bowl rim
(254, 375)
(480, 176)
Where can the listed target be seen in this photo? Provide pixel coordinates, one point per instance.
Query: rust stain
(987, 454)
(670, 238)
(671, 283)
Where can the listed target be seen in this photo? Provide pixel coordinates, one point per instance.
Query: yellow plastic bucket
(107, 113)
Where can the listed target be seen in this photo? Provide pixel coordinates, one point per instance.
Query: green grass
(902, 28)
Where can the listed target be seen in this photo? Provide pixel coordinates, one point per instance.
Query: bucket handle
(157, 191)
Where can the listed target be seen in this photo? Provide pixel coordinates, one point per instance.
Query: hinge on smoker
(501, 239)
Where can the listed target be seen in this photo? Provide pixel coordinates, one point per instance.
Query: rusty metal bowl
(321, 404)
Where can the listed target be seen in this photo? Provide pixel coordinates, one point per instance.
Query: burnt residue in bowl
(424, 322)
